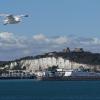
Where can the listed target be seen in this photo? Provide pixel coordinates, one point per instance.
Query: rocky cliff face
(66, 60)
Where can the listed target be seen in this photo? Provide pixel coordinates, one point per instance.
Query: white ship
(61, 74)
(81, 73)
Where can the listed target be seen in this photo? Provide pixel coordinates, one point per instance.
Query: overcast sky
(51, 25)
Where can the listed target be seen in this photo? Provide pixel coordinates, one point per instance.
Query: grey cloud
(39, 43)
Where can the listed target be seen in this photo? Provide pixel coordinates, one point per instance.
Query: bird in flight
(12, 19)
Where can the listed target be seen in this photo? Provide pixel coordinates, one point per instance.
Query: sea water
(49, 90)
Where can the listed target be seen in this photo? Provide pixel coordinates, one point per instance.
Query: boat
(68, 75)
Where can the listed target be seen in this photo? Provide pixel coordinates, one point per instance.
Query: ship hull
(78, 78)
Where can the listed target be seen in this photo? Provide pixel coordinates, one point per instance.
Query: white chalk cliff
(65, 60)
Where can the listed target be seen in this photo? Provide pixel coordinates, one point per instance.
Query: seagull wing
(22, 15)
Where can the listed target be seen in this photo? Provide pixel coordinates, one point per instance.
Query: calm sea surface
(49, 90)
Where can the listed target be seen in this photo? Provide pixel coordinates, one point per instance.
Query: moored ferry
(64, 75)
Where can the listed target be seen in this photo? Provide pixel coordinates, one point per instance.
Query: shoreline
(70, 78)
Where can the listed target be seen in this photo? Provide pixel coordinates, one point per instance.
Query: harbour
(53, 74)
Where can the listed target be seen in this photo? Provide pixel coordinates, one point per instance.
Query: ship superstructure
(62, 74)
